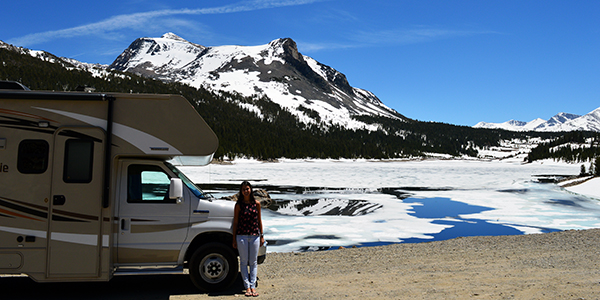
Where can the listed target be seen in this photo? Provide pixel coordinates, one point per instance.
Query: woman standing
(247, 235)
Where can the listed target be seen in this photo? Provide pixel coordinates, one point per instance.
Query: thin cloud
(138, 20)
(421, 34)
(413, 35)
(314, 47)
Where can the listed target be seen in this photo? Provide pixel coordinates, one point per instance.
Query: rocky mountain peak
(516, 123)
(288, 46)
(277, 70)
(172, 36)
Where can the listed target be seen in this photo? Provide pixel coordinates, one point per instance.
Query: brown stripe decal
(25, 210)
(10, 204)
(18, 215)
(156, 228)
(22, 114)
(75, 215)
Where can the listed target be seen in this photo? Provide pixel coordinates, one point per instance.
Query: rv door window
(147, 184)
(33, 156)
(79, 155)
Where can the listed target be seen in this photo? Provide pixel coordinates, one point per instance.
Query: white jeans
(247, 246)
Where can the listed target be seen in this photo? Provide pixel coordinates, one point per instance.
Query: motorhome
(87, 191)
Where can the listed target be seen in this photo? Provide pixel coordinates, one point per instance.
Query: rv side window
(79, 155)
(33, 156)
(147, 184)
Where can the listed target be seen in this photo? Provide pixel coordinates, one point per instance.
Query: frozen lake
(329, 203)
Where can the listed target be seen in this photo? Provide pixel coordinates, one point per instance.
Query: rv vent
(12, 85)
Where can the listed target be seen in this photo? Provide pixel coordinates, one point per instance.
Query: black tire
(213, 267)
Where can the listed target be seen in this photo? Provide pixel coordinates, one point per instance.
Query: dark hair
(241, 195)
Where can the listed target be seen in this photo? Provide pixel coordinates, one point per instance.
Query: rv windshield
(195, 189)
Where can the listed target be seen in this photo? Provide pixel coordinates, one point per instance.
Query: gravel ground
(560, 265)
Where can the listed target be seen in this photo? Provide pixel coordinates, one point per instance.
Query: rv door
(152, 225)
(75, 203)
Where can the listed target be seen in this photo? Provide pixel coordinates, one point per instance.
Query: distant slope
(512, 125)
(573, 147)
(560, 122)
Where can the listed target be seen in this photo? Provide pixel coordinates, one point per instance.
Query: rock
(261, 195)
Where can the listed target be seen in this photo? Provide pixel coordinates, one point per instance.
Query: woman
(247, 235)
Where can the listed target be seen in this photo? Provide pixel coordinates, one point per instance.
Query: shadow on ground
(147, 287)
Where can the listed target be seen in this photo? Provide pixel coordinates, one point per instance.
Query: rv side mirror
(176, 190)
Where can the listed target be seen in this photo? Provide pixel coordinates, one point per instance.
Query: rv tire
(213, 267)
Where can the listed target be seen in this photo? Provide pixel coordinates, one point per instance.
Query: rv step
(149, 271)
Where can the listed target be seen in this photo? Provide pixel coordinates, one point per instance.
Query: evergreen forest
(242, 133)
(572, 147)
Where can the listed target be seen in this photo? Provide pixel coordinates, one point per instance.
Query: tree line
(573, 147)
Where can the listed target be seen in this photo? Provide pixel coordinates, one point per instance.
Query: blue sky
(457, 62)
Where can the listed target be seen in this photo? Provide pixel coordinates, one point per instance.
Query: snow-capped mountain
(559, 122)
(556, 122)
(42, 55)
(589, 121)
(277, 70)
(97, 70)
(512, 125)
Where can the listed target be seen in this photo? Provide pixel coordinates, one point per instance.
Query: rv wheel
(213, 267)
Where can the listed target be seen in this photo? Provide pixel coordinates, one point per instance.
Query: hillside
(572, 147)
(269, 132)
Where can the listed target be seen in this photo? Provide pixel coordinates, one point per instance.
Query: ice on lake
(324, 204)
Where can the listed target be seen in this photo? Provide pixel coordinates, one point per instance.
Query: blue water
(318, 218)
(449, 211)
(445, 211)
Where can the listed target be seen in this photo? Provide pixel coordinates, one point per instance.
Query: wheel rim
(214, 268)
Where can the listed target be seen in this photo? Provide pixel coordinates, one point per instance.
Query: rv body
(87, 191)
